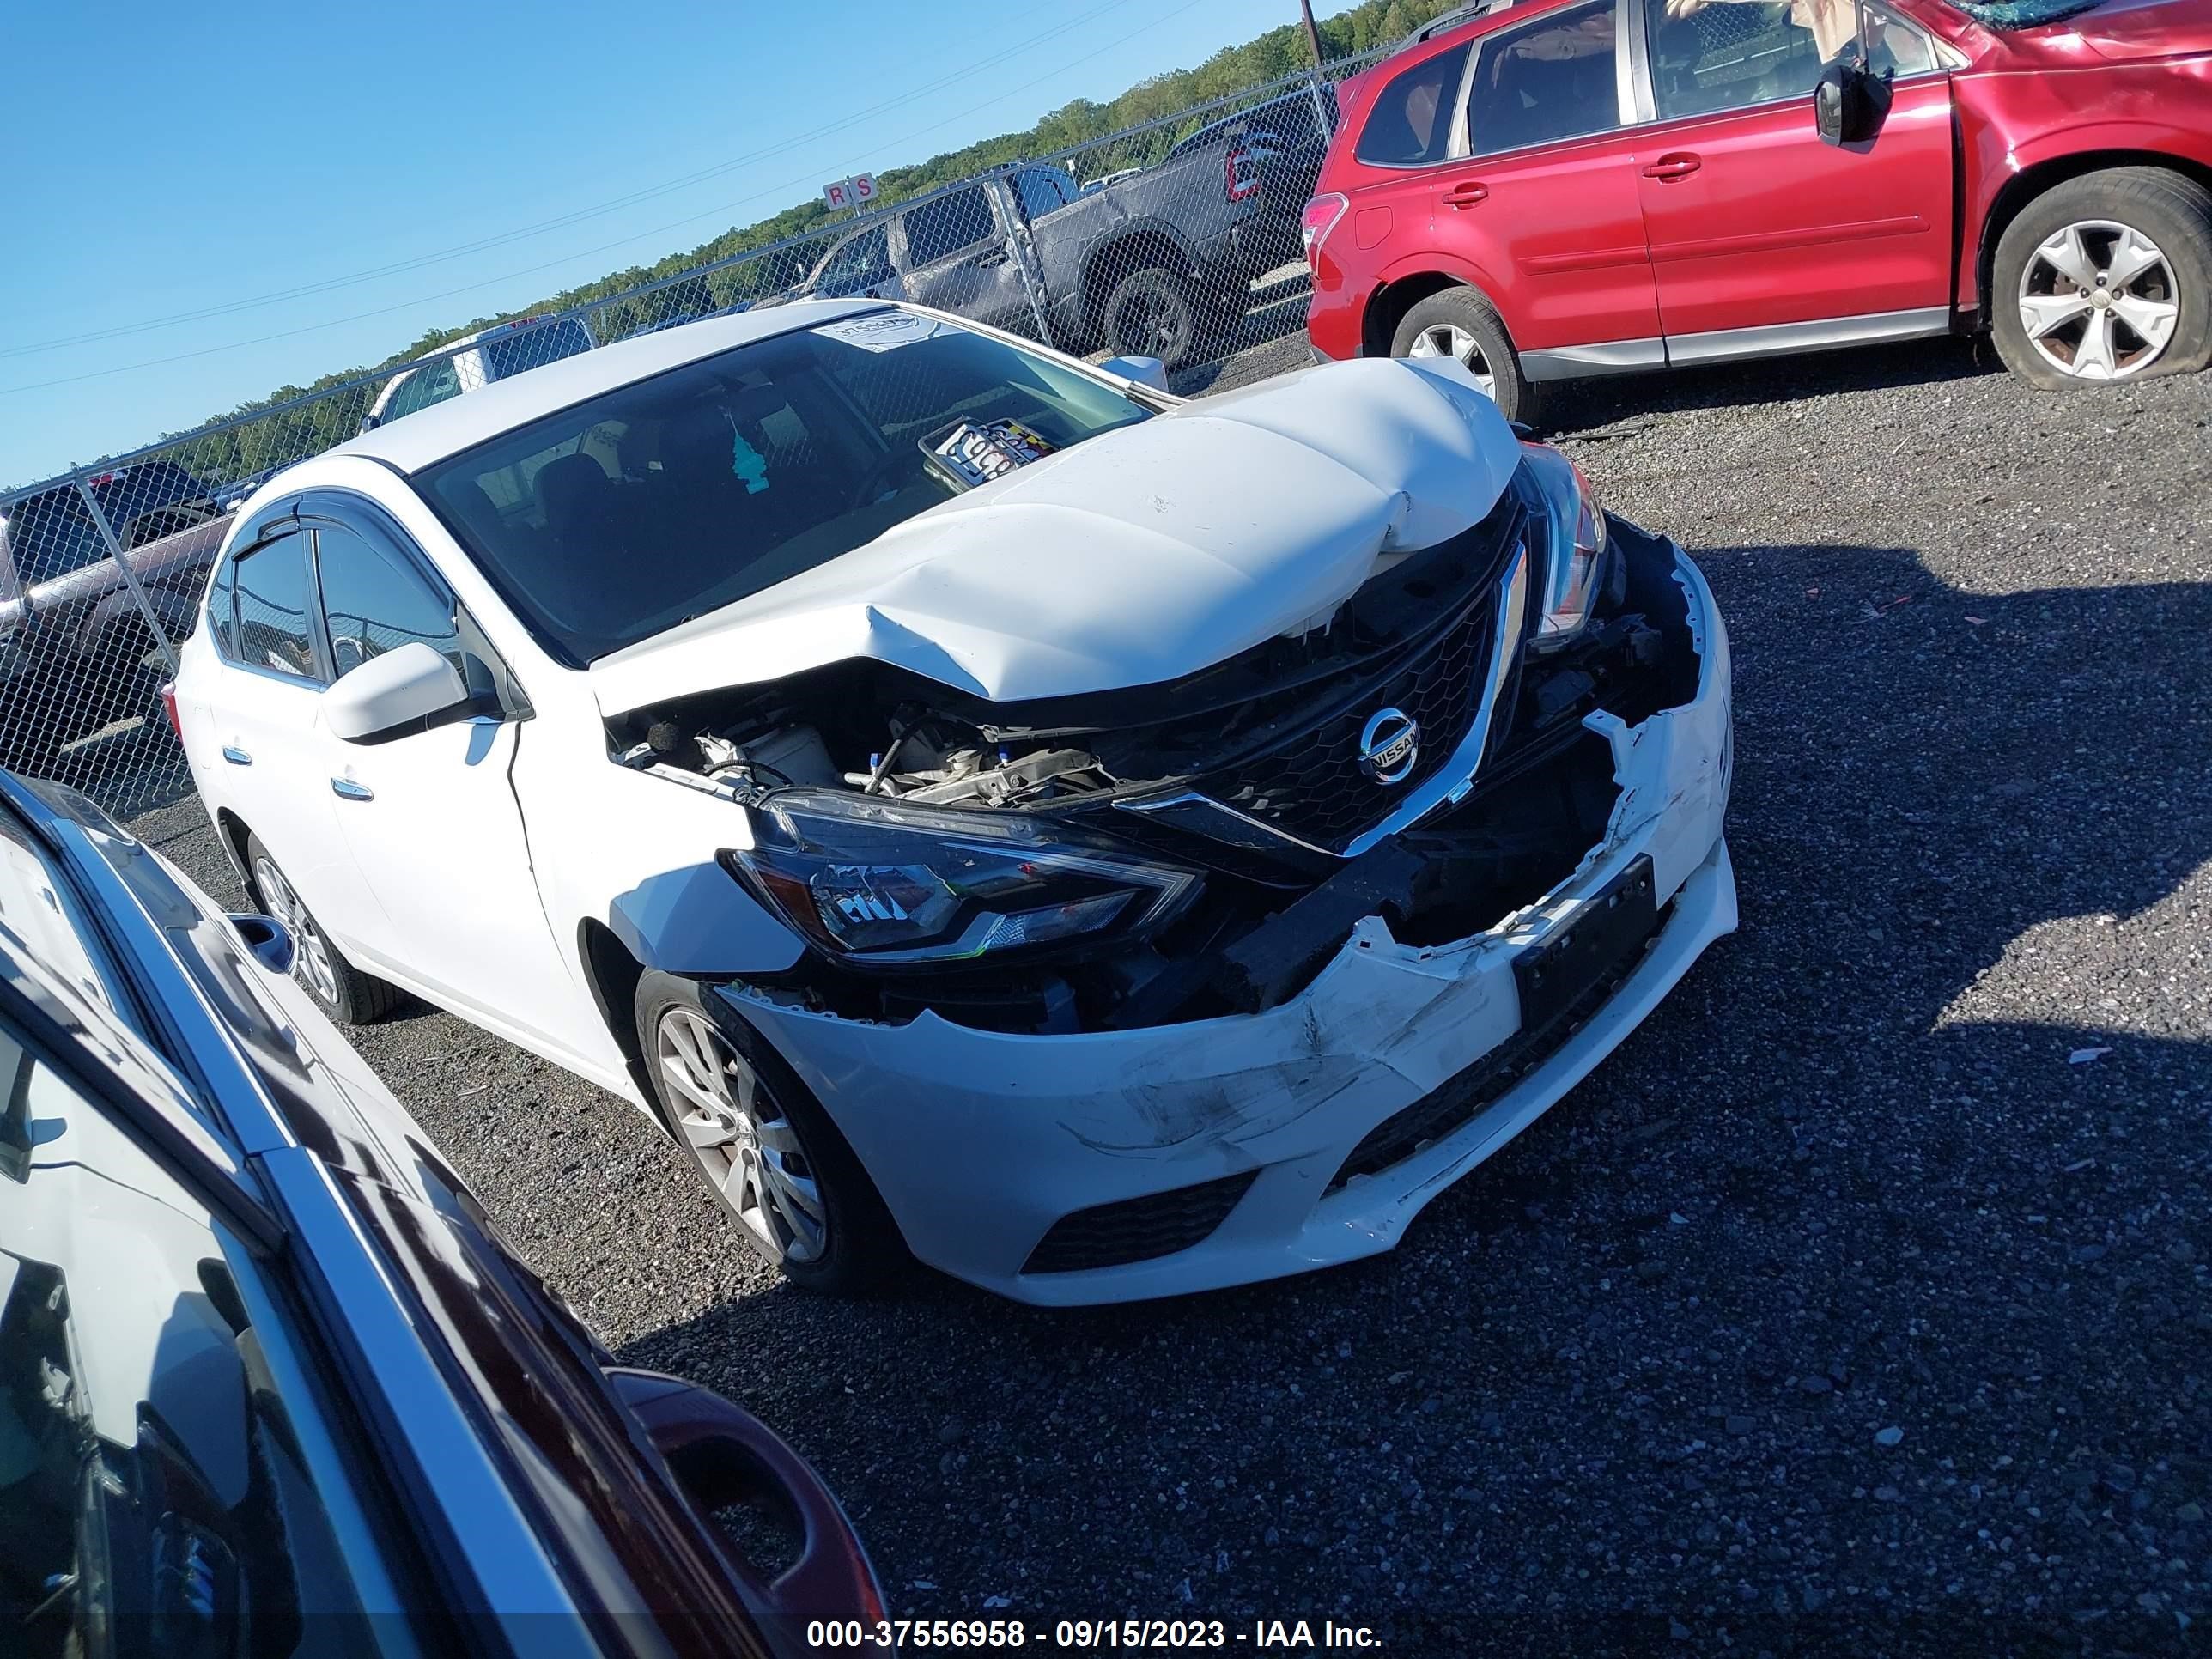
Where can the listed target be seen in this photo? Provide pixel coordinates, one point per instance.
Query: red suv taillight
(1319, 219)
(169, 708)
(1239, 183)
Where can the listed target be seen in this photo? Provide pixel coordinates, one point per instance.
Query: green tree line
(295, 434)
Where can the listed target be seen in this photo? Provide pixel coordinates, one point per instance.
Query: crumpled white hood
(1140, 555)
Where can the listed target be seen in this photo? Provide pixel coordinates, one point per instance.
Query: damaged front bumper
(1104, 1166)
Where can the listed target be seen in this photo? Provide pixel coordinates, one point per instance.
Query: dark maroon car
(271, 1384)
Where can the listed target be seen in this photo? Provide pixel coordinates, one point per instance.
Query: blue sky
(164, 160)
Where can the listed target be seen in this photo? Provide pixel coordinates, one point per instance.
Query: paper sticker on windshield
(976, 451)
(882, 331)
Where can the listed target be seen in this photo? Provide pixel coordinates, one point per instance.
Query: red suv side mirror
(1850, 104)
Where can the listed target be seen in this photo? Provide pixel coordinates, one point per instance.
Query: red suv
(1563, 188)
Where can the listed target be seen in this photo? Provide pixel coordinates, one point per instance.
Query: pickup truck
(1564, 188)
(1158, 264)
(76, 654)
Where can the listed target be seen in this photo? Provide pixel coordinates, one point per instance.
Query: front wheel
(1150, 314)
(765, 1148)
(1460, 324)
(2107, 277)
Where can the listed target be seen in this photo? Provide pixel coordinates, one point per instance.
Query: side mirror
(267, 939)
(389, 693)
(1850, 104)
(1145, 371)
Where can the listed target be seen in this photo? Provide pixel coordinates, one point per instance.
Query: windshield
(2022, 14)
(606, 523)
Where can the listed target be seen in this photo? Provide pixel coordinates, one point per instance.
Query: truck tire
(340, 989)
(2105, 277)
(766, 1149)
(1460, 324)
(1152, 314)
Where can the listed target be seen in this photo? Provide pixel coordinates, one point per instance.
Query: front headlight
(873, 881)
(1577, 522)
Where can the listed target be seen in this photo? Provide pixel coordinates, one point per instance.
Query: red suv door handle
(1679, 165)
(1465, 195)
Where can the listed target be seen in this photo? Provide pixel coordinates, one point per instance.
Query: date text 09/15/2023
(1290, 1636)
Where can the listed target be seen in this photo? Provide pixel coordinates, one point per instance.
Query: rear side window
(533, 347)
(938, 229)
(275, 598)
(1411, 120)
(1551, 81)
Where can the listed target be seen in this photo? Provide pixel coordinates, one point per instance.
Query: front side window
(1411, 120)
(688, 491)
(865, 258)
(154, 1499)
(1551, 81)
(1043, 191)
(432, 383)
(374, 599)
(275, 598)
(40, 912)
(1708, 55)
(938, 229)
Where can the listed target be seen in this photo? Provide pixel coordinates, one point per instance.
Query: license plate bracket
(1554, 975)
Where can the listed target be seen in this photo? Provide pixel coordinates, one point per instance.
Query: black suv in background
(75, 653)
(1158, 264)
(270, 1383)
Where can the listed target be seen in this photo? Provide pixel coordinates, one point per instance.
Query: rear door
(1759, 230)
(264, 713)
(958, 256)
(1543, 205)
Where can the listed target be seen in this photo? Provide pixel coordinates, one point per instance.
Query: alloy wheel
(2099, 300)
(311, 957)
(1450, 340)
(746, 1143)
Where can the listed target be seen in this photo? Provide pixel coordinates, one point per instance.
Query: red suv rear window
(1411, 122)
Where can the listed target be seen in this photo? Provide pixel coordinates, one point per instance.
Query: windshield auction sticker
(882, 331)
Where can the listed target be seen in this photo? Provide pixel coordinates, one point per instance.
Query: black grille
(1433, 1117)
(1138, 1229)
(1310, 785)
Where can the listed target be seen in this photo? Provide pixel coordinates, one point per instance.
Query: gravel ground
(1860, 1303)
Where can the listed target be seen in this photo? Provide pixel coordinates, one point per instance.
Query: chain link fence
(1176, 238)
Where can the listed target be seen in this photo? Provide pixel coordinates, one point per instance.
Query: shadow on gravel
(1575, 407)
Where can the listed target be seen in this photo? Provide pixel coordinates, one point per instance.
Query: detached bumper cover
(1415, 1059)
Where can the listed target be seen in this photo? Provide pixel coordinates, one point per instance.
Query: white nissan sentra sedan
(982, 807)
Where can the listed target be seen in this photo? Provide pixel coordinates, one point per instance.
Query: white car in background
(983, 806)
(492, 354)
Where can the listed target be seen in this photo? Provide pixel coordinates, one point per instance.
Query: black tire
(859, 1247)
(340, 989)
(1465, 311)
(2173, 212)
(1152, 314)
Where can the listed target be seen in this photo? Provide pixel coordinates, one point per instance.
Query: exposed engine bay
(1245, 778)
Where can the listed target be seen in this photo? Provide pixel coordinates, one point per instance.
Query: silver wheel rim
(1450, 340)
(746, 1146)
(2099, 300)
(311, 957)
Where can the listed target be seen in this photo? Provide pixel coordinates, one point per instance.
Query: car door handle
(1667, 168)
(236, 755)
(1465, 195)
(347, 789)
(997, 255)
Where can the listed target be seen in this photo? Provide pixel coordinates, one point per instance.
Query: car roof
(430, 435)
